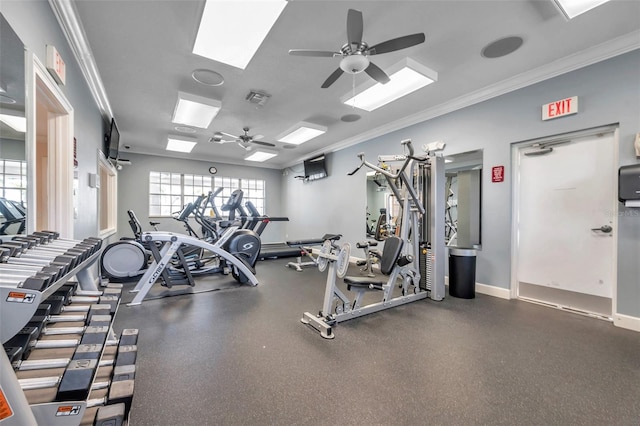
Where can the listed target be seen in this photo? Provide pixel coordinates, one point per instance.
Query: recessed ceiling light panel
(196, 111)
(572, 8)
(261, 155)
(302, 132)
(19, 124)
(408, 77)
(180, 145)
(232, 31)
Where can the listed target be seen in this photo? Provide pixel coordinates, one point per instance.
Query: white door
(566, 223)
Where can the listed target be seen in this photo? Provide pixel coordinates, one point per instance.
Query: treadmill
(258, 223)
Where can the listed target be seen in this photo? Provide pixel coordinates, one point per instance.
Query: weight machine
(416, 257)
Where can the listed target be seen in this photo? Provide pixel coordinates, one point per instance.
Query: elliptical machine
(121, 261)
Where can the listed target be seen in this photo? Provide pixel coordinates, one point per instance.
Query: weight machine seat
(390, 254)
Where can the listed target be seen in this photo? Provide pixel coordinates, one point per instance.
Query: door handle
(604, 228)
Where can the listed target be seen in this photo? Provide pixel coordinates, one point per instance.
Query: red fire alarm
(497, 174)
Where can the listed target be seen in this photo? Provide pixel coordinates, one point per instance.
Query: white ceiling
(143, 53)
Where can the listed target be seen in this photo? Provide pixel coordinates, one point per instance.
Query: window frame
(254, 190)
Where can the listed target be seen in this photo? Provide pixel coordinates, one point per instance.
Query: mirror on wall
(382, 208)
(13, 164)
(464, 199)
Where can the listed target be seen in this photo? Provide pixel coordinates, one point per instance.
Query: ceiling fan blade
(246, 147)
(376, 73)
(315, 53)
(257, 137)
(354, 27)
(263, 143)
(332, 78)
(229, 134)
(396, 44)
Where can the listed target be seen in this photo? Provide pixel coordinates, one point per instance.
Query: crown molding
(67, 16)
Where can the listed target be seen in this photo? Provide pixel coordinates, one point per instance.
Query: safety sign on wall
(497, 174)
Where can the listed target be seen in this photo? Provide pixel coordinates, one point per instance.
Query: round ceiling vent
(208, 77)
(350, 118)
(4, 99)
(502, 47)
(185, 129)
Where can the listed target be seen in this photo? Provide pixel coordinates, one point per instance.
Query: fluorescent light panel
(232, 31)
(261, 155)
(302, 132)
(196, 111)
(19, 124)
(403, 82)
(180, 145)
(573, 8)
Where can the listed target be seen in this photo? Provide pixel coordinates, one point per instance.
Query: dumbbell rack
(18, 304)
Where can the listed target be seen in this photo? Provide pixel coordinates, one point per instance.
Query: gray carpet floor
(240, 356)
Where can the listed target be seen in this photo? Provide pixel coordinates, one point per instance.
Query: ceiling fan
(243, 140)
(355, 52)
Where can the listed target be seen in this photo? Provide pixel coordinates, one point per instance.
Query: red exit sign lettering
(560, 108)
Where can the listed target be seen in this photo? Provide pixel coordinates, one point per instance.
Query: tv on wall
(315, 168)
(113, 141)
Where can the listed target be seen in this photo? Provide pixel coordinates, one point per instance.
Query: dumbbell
(30, 247)
(76, 380)
(5, 253)
(51, 312)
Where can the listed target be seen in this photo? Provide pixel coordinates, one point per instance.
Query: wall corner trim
(626, 321)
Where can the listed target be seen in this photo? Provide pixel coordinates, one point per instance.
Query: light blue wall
(133, 191)
(609, 92)
(12, 149)
(37, 27)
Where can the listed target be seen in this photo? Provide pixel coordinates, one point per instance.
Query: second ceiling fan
(355, 52)
(244, 140)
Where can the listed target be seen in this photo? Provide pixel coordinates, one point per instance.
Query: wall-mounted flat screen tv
(113, 141)
(315, 168)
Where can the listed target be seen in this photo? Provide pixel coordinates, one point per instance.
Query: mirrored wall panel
(13, 124)
(464, 199)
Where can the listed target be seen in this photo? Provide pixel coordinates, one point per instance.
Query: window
(169, 192)
(13, 180)
(254, 190)
(165, 193)
(195, 186)
(107, 186)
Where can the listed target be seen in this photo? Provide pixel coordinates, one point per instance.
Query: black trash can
(462, 273)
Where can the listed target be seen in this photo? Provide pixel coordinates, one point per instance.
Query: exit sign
(55, 65)
(560, 108)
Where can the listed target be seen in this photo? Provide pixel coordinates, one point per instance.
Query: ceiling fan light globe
(354, 64)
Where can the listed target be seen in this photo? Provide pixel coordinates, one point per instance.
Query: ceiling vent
(259, 99)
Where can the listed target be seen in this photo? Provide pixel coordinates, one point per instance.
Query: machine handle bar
(389, 175)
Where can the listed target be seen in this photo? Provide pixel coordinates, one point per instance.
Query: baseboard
(489, 290)
(626, 321)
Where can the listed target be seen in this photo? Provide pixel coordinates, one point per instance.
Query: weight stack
(426, 267)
